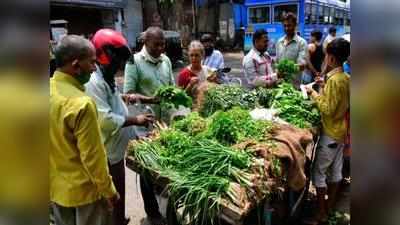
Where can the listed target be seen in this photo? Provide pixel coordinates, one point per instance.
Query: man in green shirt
(292, 46)
(144, 74)
(149, 69)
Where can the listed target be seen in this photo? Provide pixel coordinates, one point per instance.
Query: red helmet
(108, 38)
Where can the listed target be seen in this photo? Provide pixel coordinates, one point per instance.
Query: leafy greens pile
(290, 103)
(197, 156)
(225, 97)
(200, 171)
(293, 108)
(236, 125)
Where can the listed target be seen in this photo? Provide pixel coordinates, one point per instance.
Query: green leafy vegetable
(225, 97)
(293, 108)
(200, 170)
(191, 124)
(172, 97)
(235, 125)
(288, 69)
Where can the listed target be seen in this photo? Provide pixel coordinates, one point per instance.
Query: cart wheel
(172, 219)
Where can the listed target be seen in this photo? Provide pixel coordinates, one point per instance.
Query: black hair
(317, 34)
(259, 34)
(70, 48)
(340, 49)
(332, 30)
(207, 37)
(290, 17)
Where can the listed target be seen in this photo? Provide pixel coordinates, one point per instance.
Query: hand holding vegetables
(134, 98)
(140, 120)
(287, 69)
(172, 97)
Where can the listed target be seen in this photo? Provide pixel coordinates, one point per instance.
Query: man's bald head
(154, 41)
(73, 47)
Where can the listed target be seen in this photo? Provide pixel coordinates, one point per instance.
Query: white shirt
(215, 60)
(328, 40)
(112, 114)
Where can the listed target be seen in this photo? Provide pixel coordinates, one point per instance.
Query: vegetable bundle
(173, 97)
(287, 69)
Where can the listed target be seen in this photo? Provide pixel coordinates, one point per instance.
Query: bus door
(276, 30)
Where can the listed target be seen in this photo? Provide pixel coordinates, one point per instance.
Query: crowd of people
(90, 124)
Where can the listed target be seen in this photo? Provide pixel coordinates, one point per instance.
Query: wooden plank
(229, 212)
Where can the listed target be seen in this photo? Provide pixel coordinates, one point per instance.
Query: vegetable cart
(221, 162)
(229, 213)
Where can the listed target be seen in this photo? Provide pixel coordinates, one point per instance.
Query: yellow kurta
(78, 165)
(334, 103)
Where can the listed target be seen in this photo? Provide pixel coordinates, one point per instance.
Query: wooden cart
(230, 213)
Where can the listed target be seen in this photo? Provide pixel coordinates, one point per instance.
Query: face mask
(83, 78)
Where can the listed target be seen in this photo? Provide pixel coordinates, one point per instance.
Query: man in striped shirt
(257, 64)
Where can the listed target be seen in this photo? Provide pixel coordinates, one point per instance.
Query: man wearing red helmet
(117, 126)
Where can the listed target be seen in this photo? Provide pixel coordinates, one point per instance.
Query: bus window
(307, 15)
(320, 14)
(314, 14)
(281, 10)
(259, 15)
(332, 19)
(347, 19)
(339, 17)
(326, 15)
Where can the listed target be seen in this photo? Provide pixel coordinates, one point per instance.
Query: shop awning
(93, 3)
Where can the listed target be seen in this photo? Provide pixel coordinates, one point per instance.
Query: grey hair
(196, 45)
(152, 32)
(70, 48)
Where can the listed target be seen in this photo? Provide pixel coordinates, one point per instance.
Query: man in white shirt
(213, 58)
(331, 36)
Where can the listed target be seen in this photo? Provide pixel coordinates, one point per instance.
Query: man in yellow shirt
(81, 189)
(333, 102)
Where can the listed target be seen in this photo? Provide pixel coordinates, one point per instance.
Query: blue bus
(311, 14)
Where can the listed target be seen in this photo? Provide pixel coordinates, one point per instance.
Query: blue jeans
(306, 78)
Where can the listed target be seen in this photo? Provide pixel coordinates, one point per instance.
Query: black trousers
(149, 198)
(117, 172)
